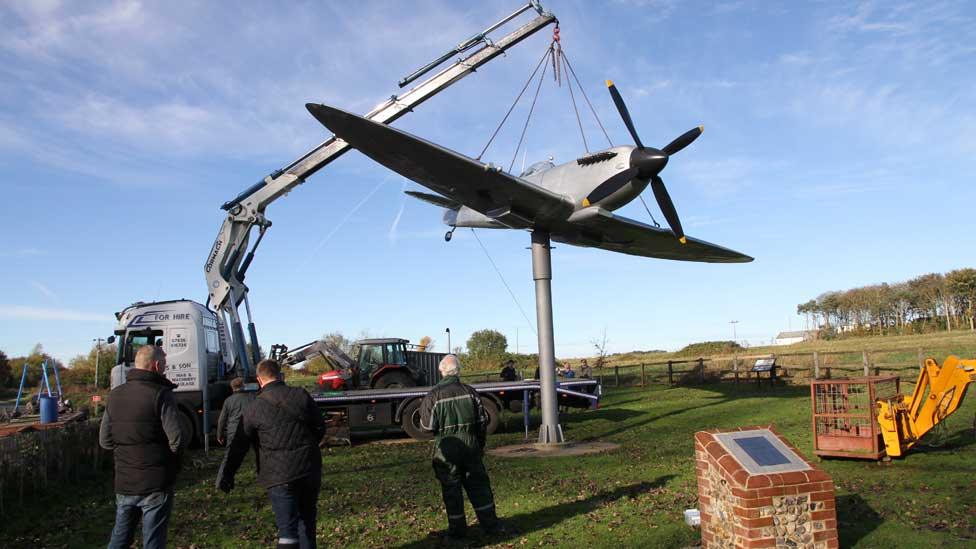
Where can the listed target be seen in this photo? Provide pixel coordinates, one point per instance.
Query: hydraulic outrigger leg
(939, 392)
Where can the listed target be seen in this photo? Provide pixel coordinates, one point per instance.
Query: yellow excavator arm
(939, 391)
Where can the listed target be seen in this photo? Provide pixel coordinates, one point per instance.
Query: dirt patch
(536, 450)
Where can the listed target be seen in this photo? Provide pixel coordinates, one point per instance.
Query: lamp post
(98, 351)
(448, 330)
(733, 323)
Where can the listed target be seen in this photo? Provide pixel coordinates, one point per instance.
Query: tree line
(80, 370)
(926, 303)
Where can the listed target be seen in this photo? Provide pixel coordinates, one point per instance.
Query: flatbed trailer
(400, 407)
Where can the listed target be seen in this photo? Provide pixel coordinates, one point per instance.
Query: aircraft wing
(510, 200)
(596, 227)
(434, 199)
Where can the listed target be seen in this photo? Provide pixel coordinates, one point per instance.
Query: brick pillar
(744, 503)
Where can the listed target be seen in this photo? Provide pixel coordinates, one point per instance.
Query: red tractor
(384, 363)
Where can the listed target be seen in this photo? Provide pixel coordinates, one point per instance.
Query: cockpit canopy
(538, 167)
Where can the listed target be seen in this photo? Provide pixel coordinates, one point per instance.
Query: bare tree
(600, 346)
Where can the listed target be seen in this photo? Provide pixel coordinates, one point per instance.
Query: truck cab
(191, 336)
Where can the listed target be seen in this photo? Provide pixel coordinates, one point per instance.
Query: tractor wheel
(493, 414)
(410, 420)
(395, 380)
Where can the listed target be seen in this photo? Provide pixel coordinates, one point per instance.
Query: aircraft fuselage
(574, 180)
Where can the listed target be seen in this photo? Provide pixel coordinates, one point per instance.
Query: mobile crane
(229, 257)
(939, 392)
(205, 343)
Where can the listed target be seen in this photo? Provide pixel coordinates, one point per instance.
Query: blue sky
(838, 151)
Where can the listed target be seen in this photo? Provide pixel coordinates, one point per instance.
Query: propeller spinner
(645, 163)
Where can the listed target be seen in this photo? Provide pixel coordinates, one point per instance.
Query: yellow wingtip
(609, 83)
(586, 202)
(683, 240)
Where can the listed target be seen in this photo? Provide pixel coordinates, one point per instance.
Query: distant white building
(789, 338)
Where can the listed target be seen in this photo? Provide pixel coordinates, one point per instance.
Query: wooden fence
(39, 462)
(791, 368)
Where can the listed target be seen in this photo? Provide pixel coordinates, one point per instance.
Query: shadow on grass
(750, 390)
(855, 519)
(933, 443)
(652, 419)
(541, 519)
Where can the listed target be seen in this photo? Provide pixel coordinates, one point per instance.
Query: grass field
(379, 494)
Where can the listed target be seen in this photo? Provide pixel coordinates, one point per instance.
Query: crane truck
(380, 388)
(206, 344)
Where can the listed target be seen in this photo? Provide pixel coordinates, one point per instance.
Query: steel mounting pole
(550, 432)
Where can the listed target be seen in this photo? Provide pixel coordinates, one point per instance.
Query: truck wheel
(394, 380)
(493, 414)
(188, 426)
(410, 420)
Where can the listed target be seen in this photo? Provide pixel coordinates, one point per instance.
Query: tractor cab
(383, 363)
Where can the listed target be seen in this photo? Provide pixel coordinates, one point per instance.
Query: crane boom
(229, 258)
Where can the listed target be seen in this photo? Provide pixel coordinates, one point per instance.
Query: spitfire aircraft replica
(570, 203)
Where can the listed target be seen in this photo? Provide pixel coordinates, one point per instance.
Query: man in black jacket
(285, 427)
(232, 411)
(141, 425)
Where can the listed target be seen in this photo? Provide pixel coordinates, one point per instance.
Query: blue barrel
(49, 409)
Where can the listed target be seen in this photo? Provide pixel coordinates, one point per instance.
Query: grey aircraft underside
(573, 201)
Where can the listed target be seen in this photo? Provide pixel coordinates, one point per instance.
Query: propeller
(645, 163)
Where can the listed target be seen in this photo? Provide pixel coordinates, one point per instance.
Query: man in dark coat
(232, 411)
(454, 413)
(508, 372)
(285, 426)
(141, 425)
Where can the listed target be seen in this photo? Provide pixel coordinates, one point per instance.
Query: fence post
(828, 372)
(616, 375)
(921, 358)
(642, 375)
(735, 368)
(864, 360)
(701, 370)
(816, 365)
(670, 373)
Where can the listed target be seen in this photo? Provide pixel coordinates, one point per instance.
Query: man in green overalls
(454, 413)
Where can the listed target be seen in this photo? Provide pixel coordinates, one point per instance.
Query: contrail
(392, 235)
(348, 216)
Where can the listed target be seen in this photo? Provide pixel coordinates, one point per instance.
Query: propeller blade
(683, 141)
(624, 113)
(610, 186)
(667, 208)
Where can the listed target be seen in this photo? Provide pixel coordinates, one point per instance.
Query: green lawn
(384, 495)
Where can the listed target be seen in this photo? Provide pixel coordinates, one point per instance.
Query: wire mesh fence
(37, 462)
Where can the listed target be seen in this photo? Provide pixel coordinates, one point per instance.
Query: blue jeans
(295, 505)
(154, 508)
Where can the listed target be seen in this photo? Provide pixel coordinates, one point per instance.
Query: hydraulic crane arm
(939, 391)
(229, 258)
(330, 352)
